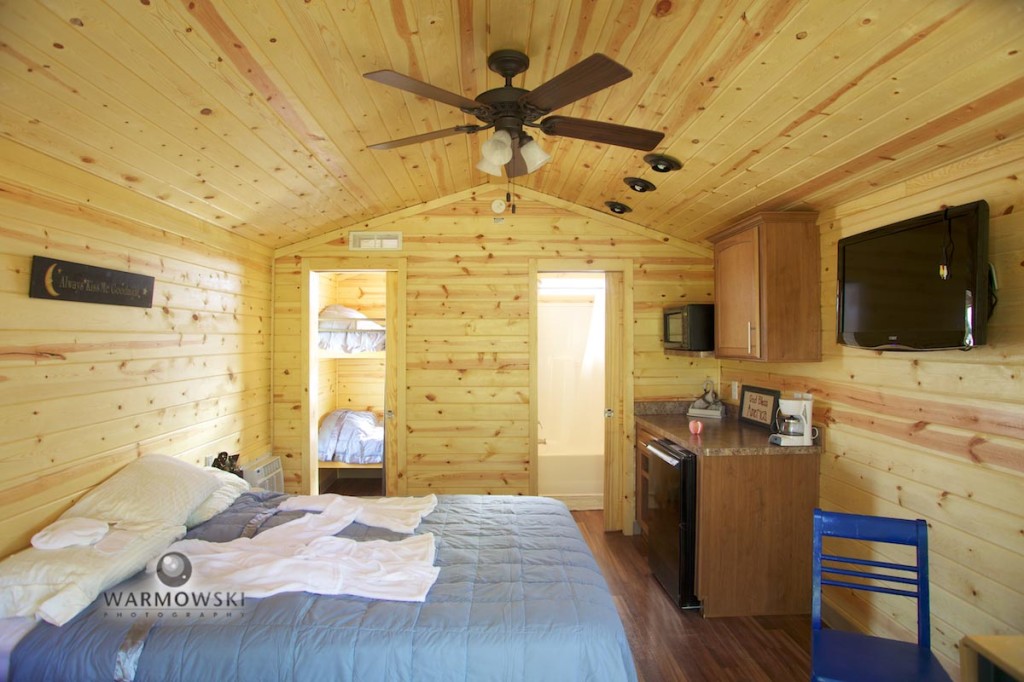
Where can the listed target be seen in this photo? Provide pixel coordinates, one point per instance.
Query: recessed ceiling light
(640, 185)
(617, 208)
(662, 163)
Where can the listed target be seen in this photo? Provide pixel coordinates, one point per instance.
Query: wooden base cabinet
(767, 289)
(754, 531)
(754, 527)
(643, 437)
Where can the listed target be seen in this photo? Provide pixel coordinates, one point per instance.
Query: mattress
(352, 437)
(351, 341)
(519, 597)
(344, 330)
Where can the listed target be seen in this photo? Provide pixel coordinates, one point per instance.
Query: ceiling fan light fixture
(507, 109)
(533, 155)
(489, 167)
(661, 163)
(498, 149)
(640, 185)
(617, 208)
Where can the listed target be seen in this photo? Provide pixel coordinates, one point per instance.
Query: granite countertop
(726, 436)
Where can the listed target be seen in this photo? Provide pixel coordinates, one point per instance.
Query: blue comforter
(519, 597)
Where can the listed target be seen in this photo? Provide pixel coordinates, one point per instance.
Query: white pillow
(152, 490)
(340, 311)
(231, 486)
(74, 532)
(56, 584)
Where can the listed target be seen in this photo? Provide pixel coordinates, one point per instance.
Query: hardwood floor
(671, 644)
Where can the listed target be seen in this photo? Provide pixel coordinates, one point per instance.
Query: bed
(350, 437)
(342, 330)
(518, 596)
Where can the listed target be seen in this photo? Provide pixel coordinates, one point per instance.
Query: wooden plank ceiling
(253, 115)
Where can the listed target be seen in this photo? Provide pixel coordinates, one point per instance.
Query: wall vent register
(265, 473)
(375, 241)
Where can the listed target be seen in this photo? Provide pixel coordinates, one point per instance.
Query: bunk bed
(348, 439)
(342, 331)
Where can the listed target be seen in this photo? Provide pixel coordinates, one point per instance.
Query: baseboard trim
(580, 502)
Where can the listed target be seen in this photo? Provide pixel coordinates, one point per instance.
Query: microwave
(690, 327)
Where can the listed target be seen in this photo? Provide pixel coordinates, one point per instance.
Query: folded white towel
(73, 532)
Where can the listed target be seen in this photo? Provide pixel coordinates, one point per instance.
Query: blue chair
(838, 656)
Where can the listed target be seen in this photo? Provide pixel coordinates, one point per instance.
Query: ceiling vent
(375, 241)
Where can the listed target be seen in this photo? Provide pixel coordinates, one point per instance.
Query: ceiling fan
(508, 110)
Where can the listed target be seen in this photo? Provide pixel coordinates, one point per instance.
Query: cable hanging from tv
(948, 248)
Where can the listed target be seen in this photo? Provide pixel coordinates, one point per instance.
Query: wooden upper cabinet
(767, 289)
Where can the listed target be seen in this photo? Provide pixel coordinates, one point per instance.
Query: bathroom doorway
(571, 324)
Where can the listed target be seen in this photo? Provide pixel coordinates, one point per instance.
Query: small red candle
(696, 427)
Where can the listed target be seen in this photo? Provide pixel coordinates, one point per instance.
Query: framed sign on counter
(758, 406)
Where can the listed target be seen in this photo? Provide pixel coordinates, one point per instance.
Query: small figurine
(228, 463)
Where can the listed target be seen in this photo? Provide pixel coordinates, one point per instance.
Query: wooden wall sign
(66, 281)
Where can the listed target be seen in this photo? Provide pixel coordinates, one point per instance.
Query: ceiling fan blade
(517, 166)
(598, 131)
(423, 137)
(594, 73)
(409, 84)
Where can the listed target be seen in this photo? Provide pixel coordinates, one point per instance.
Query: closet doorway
(352, 350)
(614, 393)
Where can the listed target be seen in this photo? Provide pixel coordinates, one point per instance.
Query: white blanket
(303, 556)
(350, 436)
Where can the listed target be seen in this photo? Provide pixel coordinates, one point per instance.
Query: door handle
(662, 455)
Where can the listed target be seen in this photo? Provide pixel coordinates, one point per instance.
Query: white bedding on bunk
(350, 437)
(345, 330)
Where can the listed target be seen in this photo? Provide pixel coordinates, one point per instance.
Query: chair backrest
(910, 580)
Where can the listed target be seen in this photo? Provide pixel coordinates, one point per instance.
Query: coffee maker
(793, 421)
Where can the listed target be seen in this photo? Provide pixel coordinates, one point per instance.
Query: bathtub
(576, 479)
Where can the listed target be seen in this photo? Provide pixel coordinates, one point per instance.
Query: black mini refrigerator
(672, 520)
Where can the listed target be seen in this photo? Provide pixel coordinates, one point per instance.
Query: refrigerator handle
(664, 456)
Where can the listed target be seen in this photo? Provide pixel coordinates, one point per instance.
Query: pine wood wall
(936, 435)
(467, 360)
(86, 387)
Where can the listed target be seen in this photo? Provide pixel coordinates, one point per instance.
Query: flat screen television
(919, 284)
